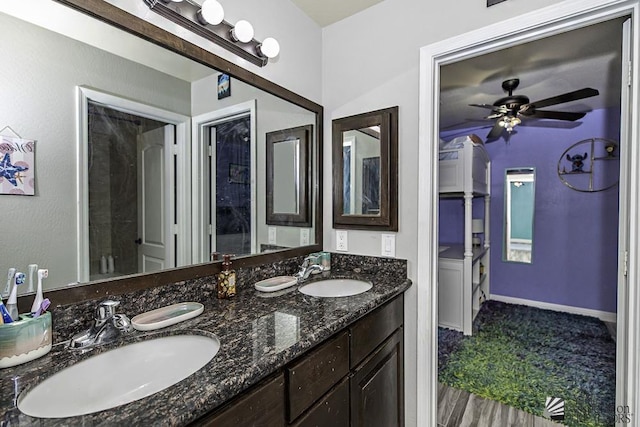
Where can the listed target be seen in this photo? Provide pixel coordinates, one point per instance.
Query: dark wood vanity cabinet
(366, 389)
(355, 378)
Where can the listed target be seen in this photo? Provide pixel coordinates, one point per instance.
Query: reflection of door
(207, 192)
(230, 181)
(371, 186)
(153, 248)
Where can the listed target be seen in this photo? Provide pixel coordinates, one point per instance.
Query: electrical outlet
(272, 235)
(304, 236)
(389, 245)
(341, 240)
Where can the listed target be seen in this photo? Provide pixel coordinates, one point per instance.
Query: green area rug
(521, 356)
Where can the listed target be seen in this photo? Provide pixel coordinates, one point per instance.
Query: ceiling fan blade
(587, 92)
(557, 115)
(496, 131)
(489, 106)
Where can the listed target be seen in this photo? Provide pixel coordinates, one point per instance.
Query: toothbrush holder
(24, 340)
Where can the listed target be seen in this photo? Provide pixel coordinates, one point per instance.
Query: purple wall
(575, 233)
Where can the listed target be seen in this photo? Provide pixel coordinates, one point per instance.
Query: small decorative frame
(17, 155)
(238, 174)
(224, 86)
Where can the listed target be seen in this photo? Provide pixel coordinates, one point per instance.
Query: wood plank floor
(459, 408)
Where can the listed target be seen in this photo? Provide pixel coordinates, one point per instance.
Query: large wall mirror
(365, 171)
(519, 207)
(141, 172)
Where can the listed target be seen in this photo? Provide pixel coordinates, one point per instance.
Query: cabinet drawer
(315, 374)
(371, 331)
(262, 405)
(332, 410)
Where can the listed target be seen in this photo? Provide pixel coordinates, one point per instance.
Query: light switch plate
(341, 240)
(272, 235)
(304, 237)
(389, 245)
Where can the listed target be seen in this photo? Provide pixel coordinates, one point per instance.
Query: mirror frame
(112, 15)
(387, 118)
(525, 170)
(303, 217)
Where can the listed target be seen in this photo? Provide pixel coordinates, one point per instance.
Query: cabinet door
(377, 386)
(332, 410)
(450, 297)
(262, 405)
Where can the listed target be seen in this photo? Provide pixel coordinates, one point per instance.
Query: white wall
(371, 61)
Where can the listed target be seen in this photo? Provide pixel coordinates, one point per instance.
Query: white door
(154, 231)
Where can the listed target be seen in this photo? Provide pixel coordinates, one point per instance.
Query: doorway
(133, 207)
(230, 214)
(224, 186)
(126, 185)
(539, 24)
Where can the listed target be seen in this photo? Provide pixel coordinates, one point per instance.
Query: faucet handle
(106, 310)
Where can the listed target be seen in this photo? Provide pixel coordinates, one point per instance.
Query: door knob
(138, 241)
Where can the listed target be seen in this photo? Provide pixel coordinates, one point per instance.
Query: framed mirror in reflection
(140, 168)
(288, 183)
(365, 180)
(519, 208)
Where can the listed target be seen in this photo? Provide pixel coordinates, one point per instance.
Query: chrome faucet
(307, 268)
(107, 328)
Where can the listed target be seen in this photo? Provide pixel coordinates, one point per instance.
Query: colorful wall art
(17, 166)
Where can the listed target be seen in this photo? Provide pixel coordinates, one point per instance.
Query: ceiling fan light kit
(510, 110)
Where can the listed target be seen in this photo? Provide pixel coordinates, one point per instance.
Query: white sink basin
(336, 288)
(119, 376)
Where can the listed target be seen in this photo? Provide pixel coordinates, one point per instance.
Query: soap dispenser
(226, 279)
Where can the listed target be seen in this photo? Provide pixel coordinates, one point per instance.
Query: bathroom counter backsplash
(259, 333)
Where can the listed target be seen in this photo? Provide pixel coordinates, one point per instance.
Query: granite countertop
(259, 333)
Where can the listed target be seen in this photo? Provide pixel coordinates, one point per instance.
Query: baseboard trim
(605, 316)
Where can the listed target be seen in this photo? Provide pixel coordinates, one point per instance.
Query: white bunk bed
(463, 270)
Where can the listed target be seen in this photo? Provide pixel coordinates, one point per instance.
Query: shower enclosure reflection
(126, 176)
(519, 205)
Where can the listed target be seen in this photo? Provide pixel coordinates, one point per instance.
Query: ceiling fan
(510, 109)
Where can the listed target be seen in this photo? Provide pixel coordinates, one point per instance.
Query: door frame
(200, 157)
(558, 18)
(177, 177)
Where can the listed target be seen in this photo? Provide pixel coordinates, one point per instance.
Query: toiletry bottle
(326, 261)
(33, 269)
(111, 266)
(103, 265)
(226, 279)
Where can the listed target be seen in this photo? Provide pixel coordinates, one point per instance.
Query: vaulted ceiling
(326, 12)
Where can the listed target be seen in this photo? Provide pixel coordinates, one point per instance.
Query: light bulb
(269, 47)
(243, 31)
(211, 13)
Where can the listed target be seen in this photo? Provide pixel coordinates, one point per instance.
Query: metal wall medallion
(590, 165)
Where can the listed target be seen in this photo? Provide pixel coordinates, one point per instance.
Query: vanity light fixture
(207, 20)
